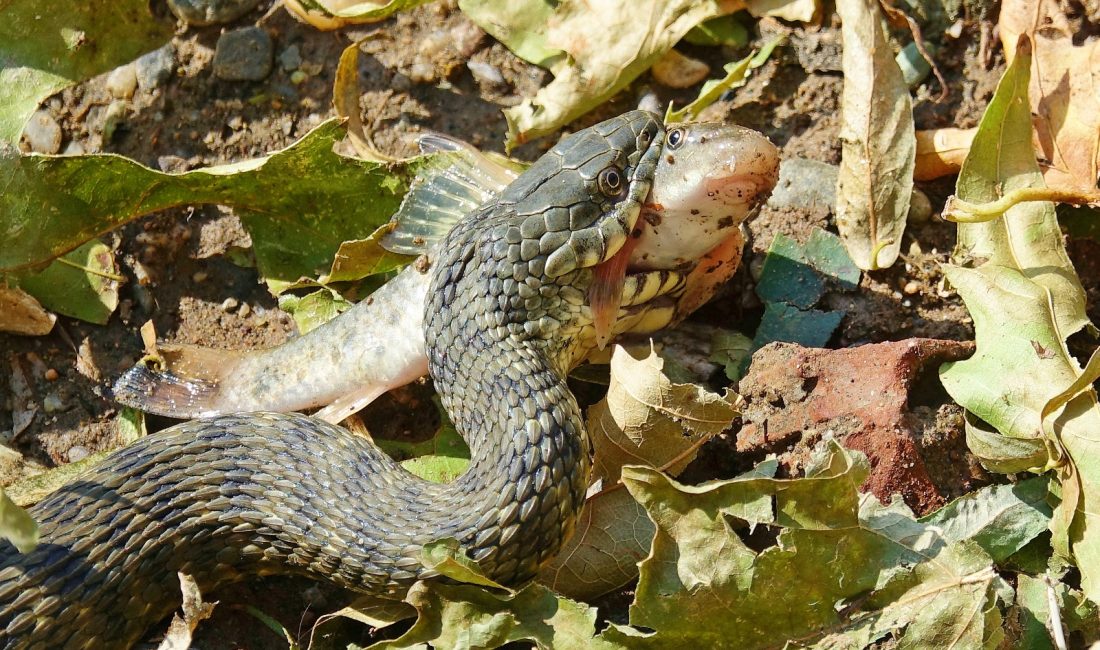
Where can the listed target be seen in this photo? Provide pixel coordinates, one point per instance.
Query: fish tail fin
(178, 381)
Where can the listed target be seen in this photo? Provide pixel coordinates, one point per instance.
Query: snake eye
(610, 181)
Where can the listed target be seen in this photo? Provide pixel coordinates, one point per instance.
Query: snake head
(580, 201)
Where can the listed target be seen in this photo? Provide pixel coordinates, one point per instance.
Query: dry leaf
(646, 419)
(20, 313)
(180, 630)
(1064, 91)
(879, 147)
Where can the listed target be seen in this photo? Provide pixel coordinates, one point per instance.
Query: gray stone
(244, 55)
(43, 133)
(156, 67)
(210, 12)
(290, 58)
(122, 81)
(485, 73)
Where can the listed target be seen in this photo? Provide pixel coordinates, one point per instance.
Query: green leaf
(1002, 519)
(845, 569)
(313, 309)
(82, 284)
(467, 615)
(130, 425)
(878, 141)
(737, 73)
(16, 525)
(1026, 301)
(1027, 237)
(299, 204)
(732, 350)
(47, 45)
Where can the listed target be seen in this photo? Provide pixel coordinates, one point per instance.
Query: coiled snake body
(263, 493)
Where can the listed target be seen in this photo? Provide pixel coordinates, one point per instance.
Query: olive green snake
(507, 316)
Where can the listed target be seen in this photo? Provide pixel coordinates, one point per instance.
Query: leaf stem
(87, 269)
(961, 211)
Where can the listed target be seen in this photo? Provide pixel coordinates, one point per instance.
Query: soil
(413, 75)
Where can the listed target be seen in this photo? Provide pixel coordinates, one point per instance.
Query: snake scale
(265, 493)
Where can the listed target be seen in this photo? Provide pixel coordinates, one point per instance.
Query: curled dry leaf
(181, 629)
(876, 167)
(1064, 90)
(646, 419)
(334, 14)
(20, 313)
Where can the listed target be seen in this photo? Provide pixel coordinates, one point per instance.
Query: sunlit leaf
(876, 165)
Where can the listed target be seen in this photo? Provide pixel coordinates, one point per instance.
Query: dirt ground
(414, 77)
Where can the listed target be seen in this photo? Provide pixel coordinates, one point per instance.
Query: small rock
(466, 38)
(52, 403)
(485, 73)
(911, 288)
(298, 77)
(920, 207)
(116, 114)
(290, 58)
(51, 374)
(156, 67)
(210, 12)
(676, 70)
(422, 73)
(74, 148)
(199, 277)
(77, 453)
(43, 134)
(244, 55)
(122, 81)
(244, 311)
(229, 304)
(172, 164)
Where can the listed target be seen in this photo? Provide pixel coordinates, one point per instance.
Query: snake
(508, 313)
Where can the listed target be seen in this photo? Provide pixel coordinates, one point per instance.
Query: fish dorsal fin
(457, 181)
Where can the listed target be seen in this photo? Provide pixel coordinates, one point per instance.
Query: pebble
(172, 164)
(156, 67)
(229, 304)
(298, 77)
(485, 73)
(244, 54)
(51, 374)
(244, 311)
(466, 38)
(422, 73)
(210, 12)
(911, 288)
(290, 58)
(199, 276)
(116, 114)
(77, 453)
(52, 403)
(122, 81)
(43, 133)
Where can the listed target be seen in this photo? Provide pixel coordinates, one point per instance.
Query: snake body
(263, 493)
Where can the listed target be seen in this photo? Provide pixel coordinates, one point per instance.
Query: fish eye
(675, 138)
(610, 181)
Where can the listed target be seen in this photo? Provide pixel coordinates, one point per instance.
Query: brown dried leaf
(180, 630)
(646, 419)
(20, 313)
(879, 147)
(1064, 91)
